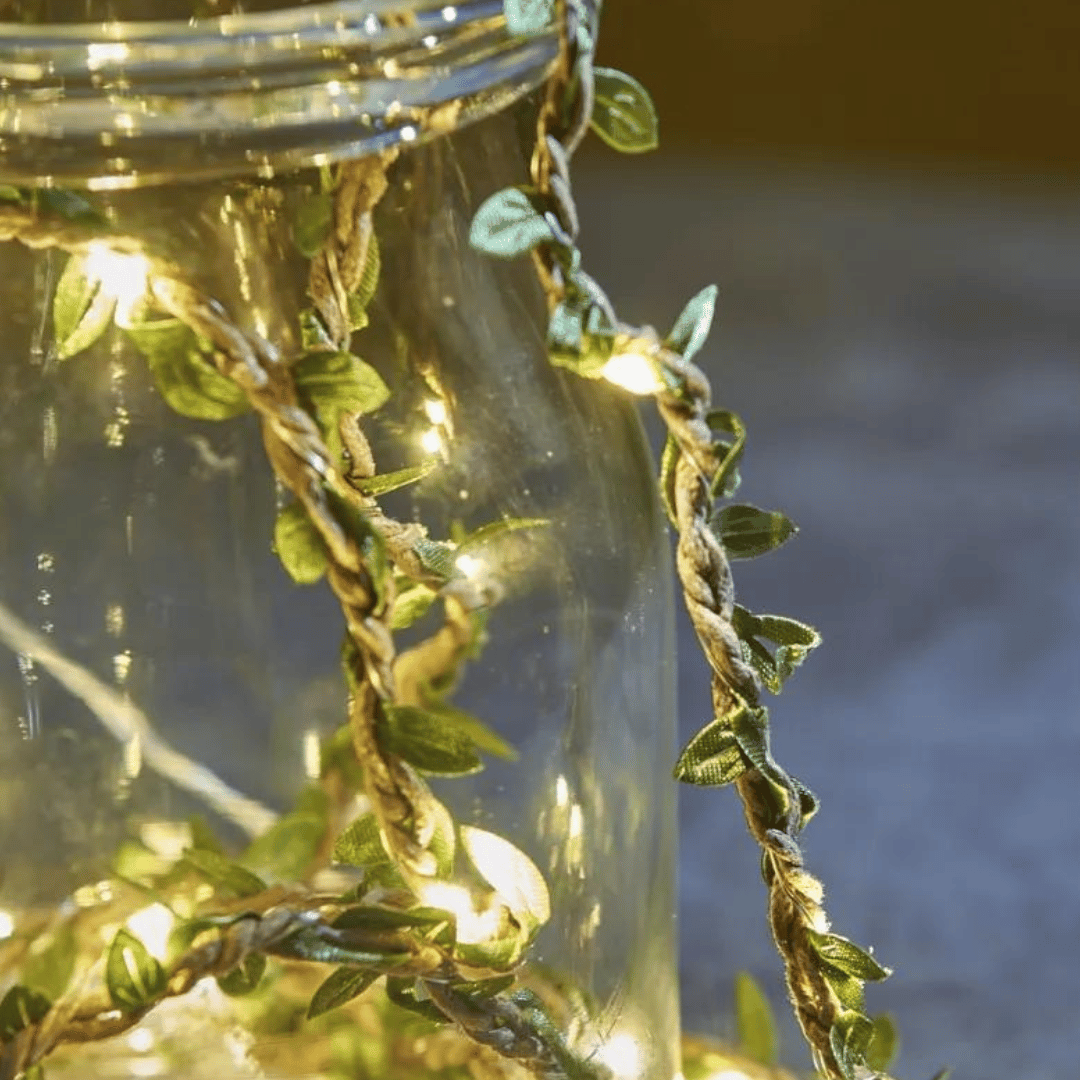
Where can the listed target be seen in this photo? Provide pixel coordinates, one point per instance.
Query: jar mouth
(126, 104)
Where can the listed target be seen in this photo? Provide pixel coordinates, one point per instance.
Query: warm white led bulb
(121, 275)
(633, 372)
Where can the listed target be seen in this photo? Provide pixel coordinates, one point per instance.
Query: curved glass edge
(131, 104)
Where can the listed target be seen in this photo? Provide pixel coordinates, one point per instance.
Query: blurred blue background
(887, 198)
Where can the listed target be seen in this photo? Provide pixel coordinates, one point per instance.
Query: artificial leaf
(793, 641)
(508, 225)
(623, 113)
(436, 557)
(846, 956)
(473, 729)
(510, 872)
(494, 953)
(884, 1043)
(692, 326)
(526, 17)
(202, 836)
(82, 310)
(942, 1074)
(299, 546)
(313, 222)
(21, 1007)
(427, 741)
(497, 529)
(243, 978)
(340, 986)
(564, 335)
(364, 293)
(373, 917)
(726, 480)
(404, 992)
(411, 603)
(747, 531)
(51, 962)
(712, 758)
(375, 486)
(849, 1038)
(337, 383)
(361, 844)
(313, 335)
(58, 202)
(754, 1017)
(223, 873)
(189, 384)
(10, 194)
(314, 944)
(134, 978)
(486, 988)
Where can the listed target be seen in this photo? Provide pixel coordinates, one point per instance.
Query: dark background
(887, 196)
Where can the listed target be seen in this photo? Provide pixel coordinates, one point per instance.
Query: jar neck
(125, 104)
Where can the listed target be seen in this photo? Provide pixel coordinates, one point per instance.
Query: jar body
(169, 690)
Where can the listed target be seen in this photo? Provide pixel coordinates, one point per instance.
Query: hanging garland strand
(825, 972)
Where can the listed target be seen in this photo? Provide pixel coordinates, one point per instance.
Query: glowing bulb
(152, 926)
(469, 565)
(474, 926)
(432, 442)
(312, 755)
(7, 924)
(729, 1074)
(141, 1040)
(622, 1054)
(632, 372)
(100, 53)
(562, 791)
(436, 410)
(122, 275)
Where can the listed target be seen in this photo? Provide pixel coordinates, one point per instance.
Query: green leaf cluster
(792, 641)
(754, 1020)
(133, 977)
(21, 1007)
(82, 310)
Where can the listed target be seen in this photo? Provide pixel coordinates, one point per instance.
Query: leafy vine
(404, 922)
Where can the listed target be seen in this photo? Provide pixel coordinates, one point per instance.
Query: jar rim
(125, 104)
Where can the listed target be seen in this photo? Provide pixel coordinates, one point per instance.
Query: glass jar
(261, 398)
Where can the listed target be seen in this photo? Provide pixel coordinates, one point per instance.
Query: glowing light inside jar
(432, 442)
(7, 924)
(435, 409)
(470, 566)
(100, 53)
(122, 275)
(632, 372)
(474, 926)
(152, 926)
(623, 1055)
(312, 755)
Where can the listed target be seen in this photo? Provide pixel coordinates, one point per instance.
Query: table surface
(906, 354)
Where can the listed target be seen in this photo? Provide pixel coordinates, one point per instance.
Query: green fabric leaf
(848, 957)
(849, 1038)
(669, 459)
(314, 944)
(884, 1043)
(847, 988)
(313, 335)
(299, 546)
(564, 335)
(726, 481)
(375, 486)
(403, 992)
(375, 918)
(337, 383)
(427, 741)
(361, 844)
(495, 953)
(57, 202)
(754, 1018)
(82, 310)
(712, 758)
(508, 225)
(360, 298)
(134, 978)
(313, 222)
(339, 987)
(473, 729)
(747, 531)
(793, 641)
(526, 17)
(511, 873)
(185, 379)
(436, 557)
(411, 603)
(223, 873)
(692, 326)
(51, 962)
(21, 1007)
(243, 978)
(494, 530)
(623, 114)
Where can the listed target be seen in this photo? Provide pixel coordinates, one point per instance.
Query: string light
(623, 1055)
(632, 372)
(474, 926)
(152, 926)
(122, 275)
(7, 924)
